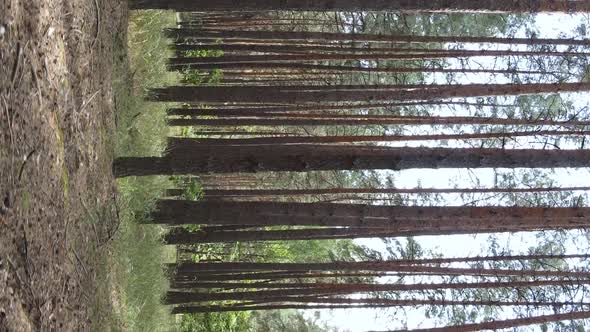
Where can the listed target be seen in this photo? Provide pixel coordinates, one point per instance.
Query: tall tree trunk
(187, 62)
(187, 280)
(449, 271)
(246, 159)
(316, 108)
(278, 141)
(346, 303)
(366, 266)
(304, 49)
(331, 191)
(351, 120)
(360, 215)
(494, 6)
(359, 93)
(340, 68)
(284, 36)
(175, 297)
(505, 324)
(244, 133)
(332, 233)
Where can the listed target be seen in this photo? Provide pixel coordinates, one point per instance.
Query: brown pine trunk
(373, 215)
(335, 36)
(344, 303)
(505, 324)
(278, 141)
(187, 62)
(415, 269)
(246, 159)
(358, 93)
(330, 73)
(331, 234)
(367, 266)
(417, 302)
(339, 68)
(244, 133)
(350, 120)
(495, 6)
(342, 50)
(175, 297)
(333, 191)
(317, 108)
(181, 63)
(232, 22)
(188, 280)
(205, 309)
(254, 26)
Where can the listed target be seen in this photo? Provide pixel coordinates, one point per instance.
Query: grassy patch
(137, 267)
(141, 126)
(131, 275)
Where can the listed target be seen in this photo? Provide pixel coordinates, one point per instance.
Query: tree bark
(343, 49)
(482, 6)
(197, 277)
(416, 269)
(284, 36)
(315, 108)
(175, 297)
(345, 303)
(220, 210)
(505, 324)
(247, 159)
(278, 141)
(364, 121)
(359, 93)
(181, 63)
(367, 266)
(332, 233)
(332, 191)
(322, 69)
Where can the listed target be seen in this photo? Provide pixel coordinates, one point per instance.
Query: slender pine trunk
(246, 159)
(283, 36)
(332, 191)
(358, 93)
(278, 141)
(176, 297)
(482, 6)
(505, 324)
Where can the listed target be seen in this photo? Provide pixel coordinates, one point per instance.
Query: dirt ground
(56, 144)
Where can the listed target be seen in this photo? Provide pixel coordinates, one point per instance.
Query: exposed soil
(56, 140)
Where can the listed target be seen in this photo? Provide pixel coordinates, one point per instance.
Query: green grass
(141, 127)
(131, 273)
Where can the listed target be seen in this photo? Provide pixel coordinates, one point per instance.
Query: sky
(357, 320)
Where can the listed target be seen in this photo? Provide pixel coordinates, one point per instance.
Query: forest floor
(60, 226)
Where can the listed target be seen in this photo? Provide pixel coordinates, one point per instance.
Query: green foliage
(285, 321)
(277, 251)
(268, 321)
(213, 322)
(203, 53)
(196, 77)
(193, 190)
